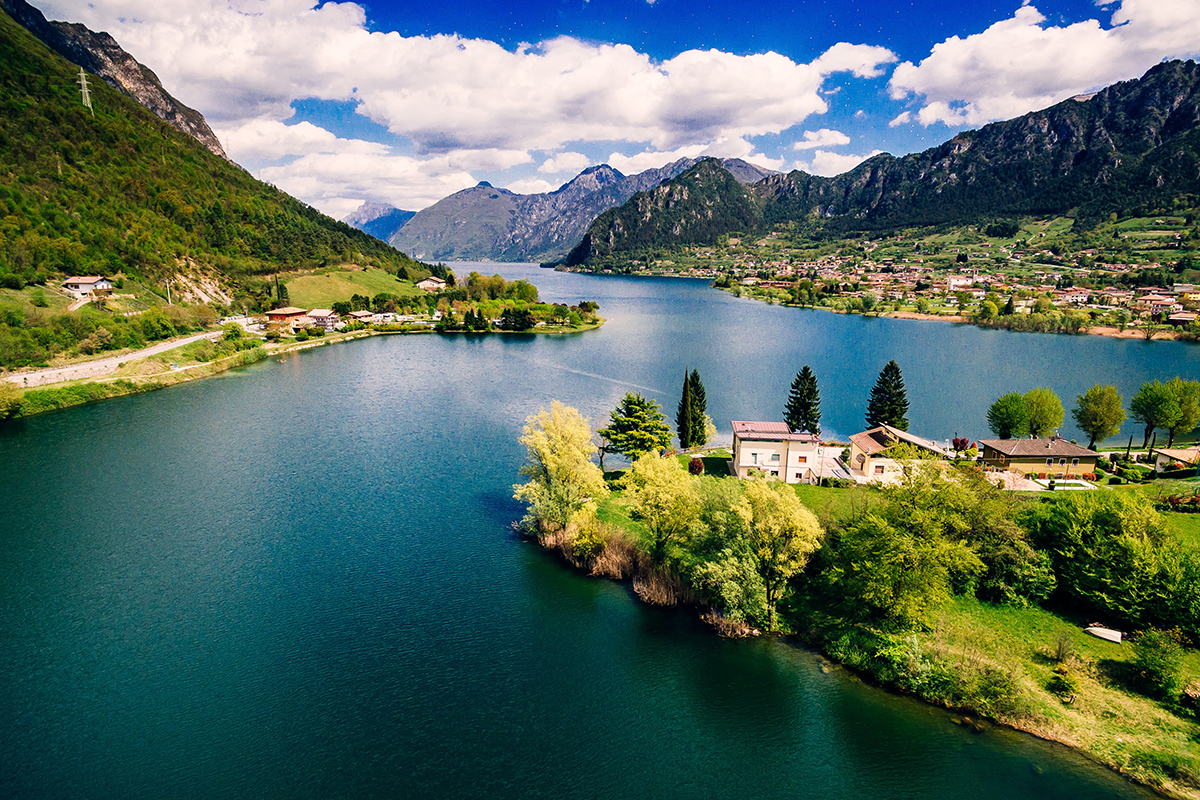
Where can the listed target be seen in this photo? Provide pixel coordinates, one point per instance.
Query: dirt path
(103, 366)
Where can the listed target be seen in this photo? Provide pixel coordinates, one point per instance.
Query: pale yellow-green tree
(665, 497)
(10, 399)
(564, 485)
(782, 533)
(1045, 411)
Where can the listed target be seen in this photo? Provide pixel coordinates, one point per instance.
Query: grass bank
(67, 395)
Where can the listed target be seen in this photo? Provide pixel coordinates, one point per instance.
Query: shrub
(1157, 665)
(302, 335)
(1115, 481)
(1064, 684)
(696, 466)
(1064, 647)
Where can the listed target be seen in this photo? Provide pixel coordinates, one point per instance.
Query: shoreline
(45, 398)
(957, 715)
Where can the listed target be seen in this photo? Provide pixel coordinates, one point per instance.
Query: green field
(325, 289)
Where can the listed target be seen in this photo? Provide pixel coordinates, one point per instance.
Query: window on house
(879, 469)
(774, 458)
(1074, 462)
(775, 473)
(801, 459)
(1049, 462)
(797, 476)
(1062, 462)
(754, 458)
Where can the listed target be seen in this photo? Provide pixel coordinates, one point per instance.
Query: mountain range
(1132, 144)
(381, 220)
(484, 223)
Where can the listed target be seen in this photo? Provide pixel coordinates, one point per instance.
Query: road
(100, 367)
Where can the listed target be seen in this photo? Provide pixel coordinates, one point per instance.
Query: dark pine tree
(683, 417)
(699, 408)
(889, 402)
(803, 410)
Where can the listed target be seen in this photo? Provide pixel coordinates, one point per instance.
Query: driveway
(100, 367)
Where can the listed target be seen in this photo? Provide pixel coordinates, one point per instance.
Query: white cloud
(821, 138)
(565, 162)
(531, 186)
(829, 164)
(724, 148)
(903, 118)
(1021, 64)
(237, 60)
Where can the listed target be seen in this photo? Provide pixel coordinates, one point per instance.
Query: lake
(298, 579)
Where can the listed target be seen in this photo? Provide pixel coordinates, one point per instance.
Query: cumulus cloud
(903, 118)
(1022, 64)
(249, 59)
(724, 148)
(531, 186)
(821, 138)
(829, 164)
(565, 162)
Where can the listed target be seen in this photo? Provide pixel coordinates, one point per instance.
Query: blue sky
(406, 102)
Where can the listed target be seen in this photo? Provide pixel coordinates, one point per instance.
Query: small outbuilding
(431, 284)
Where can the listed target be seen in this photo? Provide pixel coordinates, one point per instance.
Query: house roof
(361, 314)
(321, 312)
(1188, 455)
(876, 440)
(769, 432)
(86, 279)
(286, 311)
(1037, 448)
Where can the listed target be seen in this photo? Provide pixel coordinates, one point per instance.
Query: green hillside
(123, 192)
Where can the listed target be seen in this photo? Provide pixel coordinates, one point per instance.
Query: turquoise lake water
(298, 579)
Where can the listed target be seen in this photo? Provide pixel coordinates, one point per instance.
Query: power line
(83, 85)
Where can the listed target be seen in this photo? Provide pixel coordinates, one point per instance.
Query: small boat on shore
(1107, 634)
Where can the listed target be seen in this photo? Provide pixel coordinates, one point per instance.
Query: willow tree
(563, 484)
(664, 496)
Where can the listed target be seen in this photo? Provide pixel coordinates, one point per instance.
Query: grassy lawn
(1121, 728)
(325, 289)
(24, 298)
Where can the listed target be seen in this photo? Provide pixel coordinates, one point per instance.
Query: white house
(432, 284)
(324, 317)
(85, 286)
(771, 449)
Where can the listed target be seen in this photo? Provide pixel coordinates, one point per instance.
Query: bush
(1158, 665)
(696, 466)
(1064, 684)
(1115, 481)
(301, 335)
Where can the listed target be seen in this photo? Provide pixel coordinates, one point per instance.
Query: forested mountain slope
(123, 191)
(1129, 145)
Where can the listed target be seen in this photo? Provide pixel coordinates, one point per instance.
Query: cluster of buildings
(298, 318)
(772, 450)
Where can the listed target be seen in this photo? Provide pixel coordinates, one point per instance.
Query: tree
(803, 409)
(988, 310)
(782, 533)
(516, 319)
(563, 483)
(700, 419)
(1154, 406)
(683, 417)
(664, 496)
(1009, 416)
(636, 427)
(1099, 412)
(1045, 411)
(1187, 397)
(11, 396)
(1010, 307)
(889, 402)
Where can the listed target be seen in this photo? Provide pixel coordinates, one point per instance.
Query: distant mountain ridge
(100, 54)
(1133, 143)
(484, 223)
(381, 220)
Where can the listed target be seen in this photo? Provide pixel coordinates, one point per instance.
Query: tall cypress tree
(803, 409)
(699, 409)
(684, 425)
(889, 402)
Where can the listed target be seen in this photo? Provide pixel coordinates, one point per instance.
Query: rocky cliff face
(100, 54)
(487, 224)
